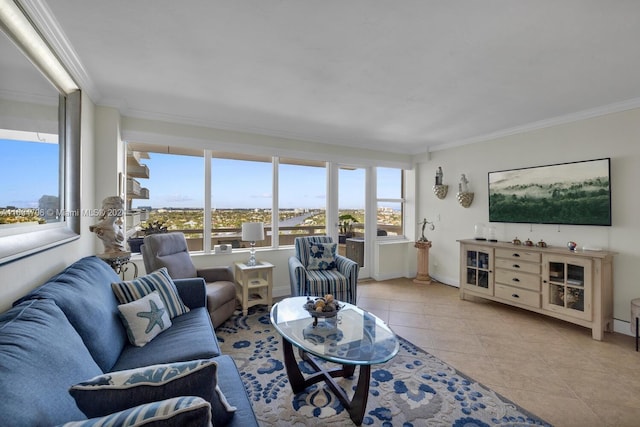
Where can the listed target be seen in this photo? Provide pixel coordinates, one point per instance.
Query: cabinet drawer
(521, 254)
(521, 296)
(518, 265)
(519, 279)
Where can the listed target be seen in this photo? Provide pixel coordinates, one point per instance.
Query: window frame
(277, 162)
(402, 201)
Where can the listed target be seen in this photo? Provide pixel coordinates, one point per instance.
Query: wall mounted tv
(576, 193)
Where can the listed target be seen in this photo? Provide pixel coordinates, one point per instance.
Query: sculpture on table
(109, 228)
(463, 187)
(439, 176)
(424, 223)
(423, 245)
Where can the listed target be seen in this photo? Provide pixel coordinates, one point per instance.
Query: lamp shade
(252, 231)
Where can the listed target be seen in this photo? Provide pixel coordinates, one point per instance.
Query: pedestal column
(423, 262)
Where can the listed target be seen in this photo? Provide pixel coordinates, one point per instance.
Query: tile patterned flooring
(549, 367)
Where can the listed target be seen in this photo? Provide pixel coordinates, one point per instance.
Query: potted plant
(346, 227)
(151, 228)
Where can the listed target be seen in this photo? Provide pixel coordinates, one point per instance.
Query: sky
(246, 184)
(178, 181)
(28, 170)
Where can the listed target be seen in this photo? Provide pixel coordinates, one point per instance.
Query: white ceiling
(401, 76)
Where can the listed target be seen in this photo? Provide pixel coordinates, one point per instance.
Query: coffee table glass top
(353, 337)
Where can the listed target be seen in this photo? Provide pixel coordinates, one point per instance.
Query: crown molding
(11, 95)
(49, 27)
(615, 107)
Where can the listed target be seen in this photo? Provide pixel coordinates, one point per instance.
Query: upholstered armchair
(170, 250)
(317, 269)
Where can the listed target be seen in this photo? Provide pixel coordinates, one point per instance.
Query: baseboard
(388, 276)
(622, 327)
(445, 280)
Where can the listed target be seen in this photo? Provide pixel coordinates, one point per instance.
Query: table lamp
(252, 232)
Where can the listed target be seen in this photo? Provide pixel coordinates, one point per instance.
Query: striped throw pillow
(159, 280)
(178, 411)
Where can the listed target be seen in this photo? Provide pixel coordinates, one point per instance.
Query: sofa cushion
(190, 337)
(185, 411)
(158, 280)
(322, 256)
(145, 318)
(41, 356)
(116, 391)
(83, 292)
(232, 386)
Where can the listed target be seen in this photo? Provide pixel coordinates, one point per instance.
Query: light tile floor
(549, 367)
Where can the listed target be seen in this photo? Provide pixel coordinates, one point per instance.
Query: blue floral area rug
(412, 389)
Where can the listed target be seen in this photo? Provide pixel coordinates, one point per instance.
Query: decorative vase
(479, 231)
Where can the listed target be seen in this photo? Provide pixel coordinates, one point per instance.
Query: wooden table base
(355, 406)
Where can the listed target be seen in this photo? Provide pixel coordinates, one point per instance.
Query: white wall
(20, 276)
(394, 259)
(614, 135)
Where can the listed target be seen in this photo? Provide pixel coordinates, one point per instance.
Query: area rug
(412, 389)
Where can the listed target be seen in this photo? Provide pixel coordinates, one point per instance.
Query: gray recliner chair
(170, 250)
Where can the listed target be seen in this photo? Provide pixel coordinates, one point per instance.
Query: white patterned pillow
(322, 256)
(144, 318)
(115, 391)
(159, 281)
(178, 411)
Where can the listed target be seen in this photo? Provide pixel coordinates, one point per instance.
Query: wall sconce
(439, 188)
(252, 232)
(464, 196)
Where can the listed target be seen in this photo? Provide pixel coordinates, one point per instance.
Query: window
(172, 190)
(173, 195)
(241, 191)
(390, 201)
(302, 195)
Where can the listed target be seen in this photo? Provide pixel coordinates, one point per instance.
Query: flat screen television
(577, 193)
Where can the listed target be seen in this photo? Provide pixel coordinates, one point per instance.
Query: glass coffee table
(354, 337)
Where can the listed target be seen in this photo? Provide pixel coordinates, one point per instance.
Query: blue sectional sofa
(69, 330)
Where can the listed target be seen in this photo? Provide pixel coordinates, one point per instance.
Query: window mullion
(206, 231)
(275, 204)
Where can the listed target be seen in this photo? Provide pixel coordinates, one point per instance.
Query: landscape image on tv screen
(569, 193)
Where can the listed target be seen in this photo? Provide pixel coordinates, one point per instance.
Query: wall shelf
(465, 198)
(440, 191)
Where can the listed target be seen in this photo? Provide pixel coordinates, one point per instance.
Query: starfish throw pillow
(144, 318)
(158, 280)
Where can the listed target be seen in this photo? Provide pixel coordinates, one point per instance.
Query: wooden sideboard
(574, 286)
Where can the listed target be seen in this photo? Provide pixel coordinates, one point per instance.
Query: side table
(254, 284)
(120, 262)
